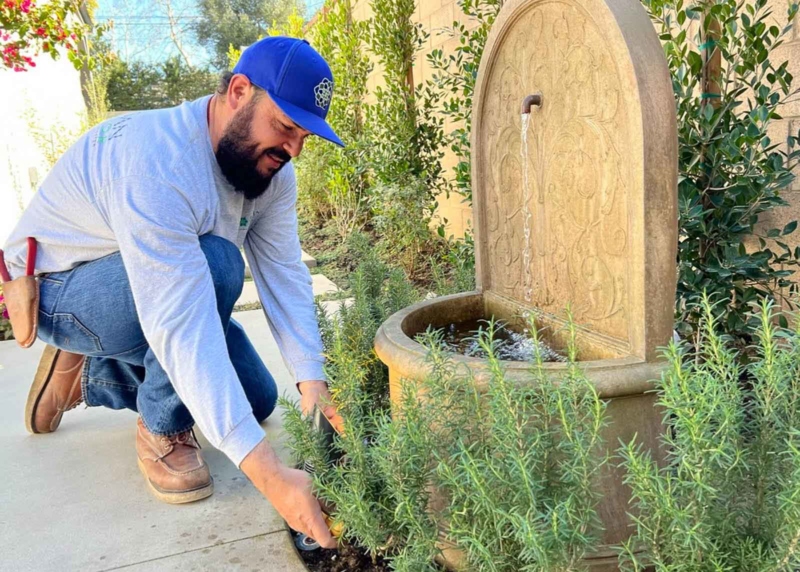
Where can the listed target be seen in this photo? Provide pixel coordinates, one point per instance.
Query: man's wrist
(261, 460)
(301, 385)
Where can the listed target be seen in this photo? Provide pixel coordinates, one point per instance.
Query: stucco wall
(47, 98)
(790, 124)
(437, 14)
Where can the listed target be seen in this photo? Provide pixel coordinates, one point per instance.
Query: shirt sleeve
(157, 229)
(283, 282)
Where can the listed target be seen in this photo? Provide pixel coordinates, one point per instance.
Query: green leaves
(731, 174)
(728, 496)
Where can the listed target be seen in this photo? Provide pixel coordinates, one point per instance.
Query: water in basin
(510, 345)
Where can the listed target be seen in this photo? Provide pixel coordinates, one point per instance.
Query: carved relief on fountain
(570, 241)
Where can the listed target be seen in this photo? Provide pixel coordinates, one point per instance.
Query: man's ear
(238, 88)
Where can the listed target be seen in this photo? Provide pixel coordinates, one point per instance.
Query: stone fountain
(574, 200)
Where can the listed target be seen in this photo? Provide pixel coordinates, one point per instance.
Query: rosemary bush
(507, 470)
(728, 90)
(729, 495)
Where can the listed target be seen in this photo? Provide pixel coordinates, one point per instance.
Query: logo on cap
(323, 93)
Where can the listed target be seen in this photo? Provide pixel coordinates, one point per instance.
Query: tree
(136, 85)
(239, 23)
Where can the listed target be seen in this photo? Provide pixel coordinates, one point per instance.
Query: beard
(238, 156)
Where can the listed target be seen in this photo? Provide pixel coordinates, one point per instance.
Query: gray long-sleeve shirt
(147, 185)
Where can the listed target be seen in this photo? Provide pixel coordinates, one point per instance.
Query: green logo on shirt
(243, 222)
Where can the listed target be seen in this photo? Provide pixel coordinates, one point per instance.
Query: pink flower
(25, 6)
(5, 314)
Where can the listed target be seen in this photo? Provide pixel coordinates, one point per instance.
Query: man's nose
(294, 146)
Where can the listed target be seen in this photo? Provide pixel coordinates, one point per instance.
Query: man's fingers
(320, 531)
(333, 416)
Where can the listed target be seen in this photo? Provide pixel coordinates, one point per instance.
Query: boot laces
(183, 438)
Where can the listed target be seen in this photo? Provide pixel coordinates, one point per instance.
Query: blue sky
(142, 28)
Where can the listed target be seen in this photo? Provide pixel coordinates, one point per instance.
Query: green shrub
(512, 466)
(730, 172)
(453, 270)
(335, 181)
(454, 79)
(728, 497)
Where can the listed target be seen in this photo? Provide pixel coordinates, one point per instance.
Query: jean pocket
(68, 333)
(49, 292)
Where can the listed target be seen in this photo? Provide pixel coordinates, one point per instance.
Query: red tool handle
(4, 275)
(31, 262)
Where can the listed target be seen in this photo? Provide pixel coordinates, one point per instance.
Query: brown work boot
(172, 465)
(56, 388)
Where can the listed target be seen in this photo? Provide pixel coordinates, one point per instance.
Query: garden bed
(344, 559)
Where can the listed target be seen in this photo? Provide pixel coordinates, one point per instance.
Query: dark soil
(345, 559)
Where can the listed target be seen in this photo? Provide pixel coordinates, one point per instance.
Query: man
(139, 227)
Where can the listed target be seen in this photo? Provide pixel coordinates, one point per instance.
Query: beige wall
(437, 14)
(780, 130)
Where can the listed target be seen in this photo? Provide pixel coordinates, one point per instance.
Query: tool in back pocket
(22, 298)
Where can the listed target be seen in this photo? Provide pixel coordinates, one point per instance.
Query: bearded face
(238, 155)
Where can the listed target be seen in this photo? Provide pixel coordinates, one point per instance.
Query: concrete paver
(308, 260)
(75, 500)
(319, 284)
(250, 554)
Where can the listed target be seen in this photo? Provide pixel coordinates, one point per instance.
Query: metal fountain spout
(534, 99)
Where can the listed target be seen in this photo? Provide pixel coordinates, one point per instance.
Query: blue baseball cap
(297, 79)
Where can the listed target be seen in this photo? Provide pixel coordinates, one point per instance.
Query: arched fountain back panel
(575, 201)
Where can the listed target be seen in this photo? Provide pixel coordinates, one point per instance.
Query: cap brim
(308, 121)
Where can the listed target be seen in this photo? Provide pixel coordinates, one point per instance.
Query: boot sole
(40, 380)
(176, 497)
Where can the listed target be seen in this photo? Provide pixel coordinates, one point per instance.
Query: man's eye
(288, 128)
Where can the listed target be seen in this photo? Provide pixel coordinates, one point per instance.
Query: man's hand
(289, 491)
(316, 393)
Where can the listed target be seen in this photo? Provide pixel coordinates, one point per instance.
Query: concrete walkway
(75, 500)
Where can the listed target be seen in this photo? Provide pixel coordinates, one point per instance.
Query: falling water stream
(526, 210)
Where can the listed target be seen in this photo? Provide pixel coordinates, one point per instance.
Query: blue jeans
(90, 310)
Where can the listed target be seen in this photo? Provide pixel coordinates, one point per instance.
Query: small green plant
(728, 495)
(454, 269)
(729, 89)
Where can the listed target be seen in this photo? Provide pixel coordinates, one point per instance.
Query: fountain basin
(624, 381)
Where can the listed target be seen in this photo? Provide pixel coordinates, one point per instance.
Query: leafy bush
(454, 269)
(454, 78)
(406, 146)
(728, 91)
(729, 495)
(335, 181)
(29, 28)
(509, 468)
